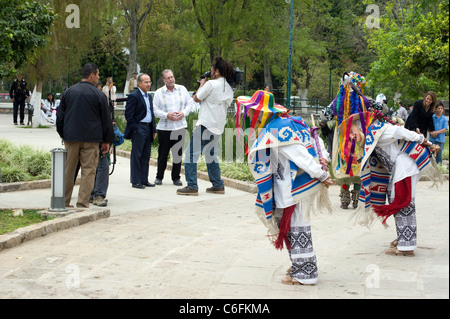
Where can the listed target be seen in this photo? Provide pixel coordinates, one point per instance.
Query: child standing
(440, 126)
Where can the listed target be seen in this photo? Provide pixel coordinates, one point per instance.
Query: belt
(144, 123)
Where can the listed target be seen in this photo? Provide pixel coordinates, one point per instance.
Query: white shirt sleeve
(204, 91)
(189, 105)
(157, 106)
(394, 133)
(300, 156)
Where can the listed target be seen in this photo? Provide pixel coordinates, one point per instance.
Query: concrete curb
(76, 218)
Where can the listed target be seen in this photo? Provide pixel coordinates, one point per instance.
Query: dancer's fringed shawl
(375, 178)
(278, 133)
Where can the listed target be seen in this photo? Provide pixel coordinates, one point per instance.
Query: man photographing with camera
(214, 96)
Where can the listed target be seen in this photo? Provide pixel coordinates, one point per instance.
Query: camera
(207, 75)
(236, 79)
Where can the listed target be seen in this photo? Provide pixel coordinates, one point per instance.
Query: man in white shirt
(215, 96)
(171, 104)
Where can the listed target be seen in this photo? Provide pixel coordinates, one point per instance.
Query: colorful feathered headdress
(349, 101)
(265, 109)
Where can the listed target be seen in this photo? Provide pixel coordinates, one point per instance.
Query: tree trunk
(267, 74)
(36, 100)
(132, 59)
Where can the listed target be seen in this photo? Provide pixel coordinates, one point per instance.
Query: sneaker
(216, 190)
(100, 201)
(187, 191)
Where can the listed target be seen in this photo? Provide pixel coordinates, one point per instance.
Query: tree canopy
(24, 26)
(406, 52)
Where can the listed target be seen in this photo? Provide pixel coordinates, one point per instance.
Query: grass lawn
(9, 222)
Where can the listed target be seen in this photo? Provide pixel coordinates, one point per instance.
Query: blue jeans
(101, 178)
(439, 154)
(202, 142)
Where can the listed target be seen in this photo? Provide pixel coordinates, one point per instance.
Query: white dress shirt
(166, 101)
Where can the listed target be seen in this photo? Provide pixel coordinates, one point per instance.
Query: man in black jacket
(83, 121)
(19, 93)
(141, 129)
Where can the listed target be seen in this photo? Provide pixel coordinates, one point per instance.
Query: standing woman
(421, 116)
(110, 91)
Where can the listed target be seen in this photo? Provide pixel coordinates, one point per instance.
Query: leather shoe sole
(216, 190)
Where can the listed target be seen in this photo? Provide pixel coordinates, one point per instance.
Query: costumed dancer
(393, 161)
(348, 101)
(290, 179)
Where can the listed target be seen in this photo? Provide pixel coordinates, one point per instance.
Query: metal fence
(302, 107)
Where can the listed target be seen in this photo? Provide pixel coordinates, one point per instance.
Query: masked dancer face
(356, 134)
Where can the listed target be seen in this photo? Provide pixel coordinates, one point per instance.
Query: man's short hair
(139, 78)
(88, 69)
(166, 71)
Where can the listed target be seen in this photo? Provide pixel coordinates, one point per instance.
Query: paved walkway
(156, 244)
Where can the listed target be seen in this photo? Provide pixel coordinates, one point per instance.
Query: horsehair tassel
(285, 225)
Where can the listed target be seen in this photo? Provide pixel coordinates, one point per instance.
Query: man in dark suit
(141, 129)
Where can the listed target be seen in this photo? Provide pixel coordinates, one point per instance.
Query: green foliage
(23, 163)
(23, 29)
(412, 48)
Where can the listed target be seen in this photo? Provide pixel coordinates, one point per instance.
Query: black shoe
(148, 184)
(22, 123)
(158, 181)
(177, 183)
(140, 186)
(15, 123)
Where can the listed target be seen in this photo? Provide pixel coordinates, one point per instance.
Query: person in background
(98, 194)
(48, 109)
(421, 117)
(401, 112)
(19, 93)
(440, 126)
(133, 83)
(83, 121)
(110, 91)
(171, 103)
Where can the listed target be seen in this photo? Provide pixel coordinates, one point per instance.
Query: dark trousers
(16, 106)
(140, 154)
(101, 177)
(170, 140)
